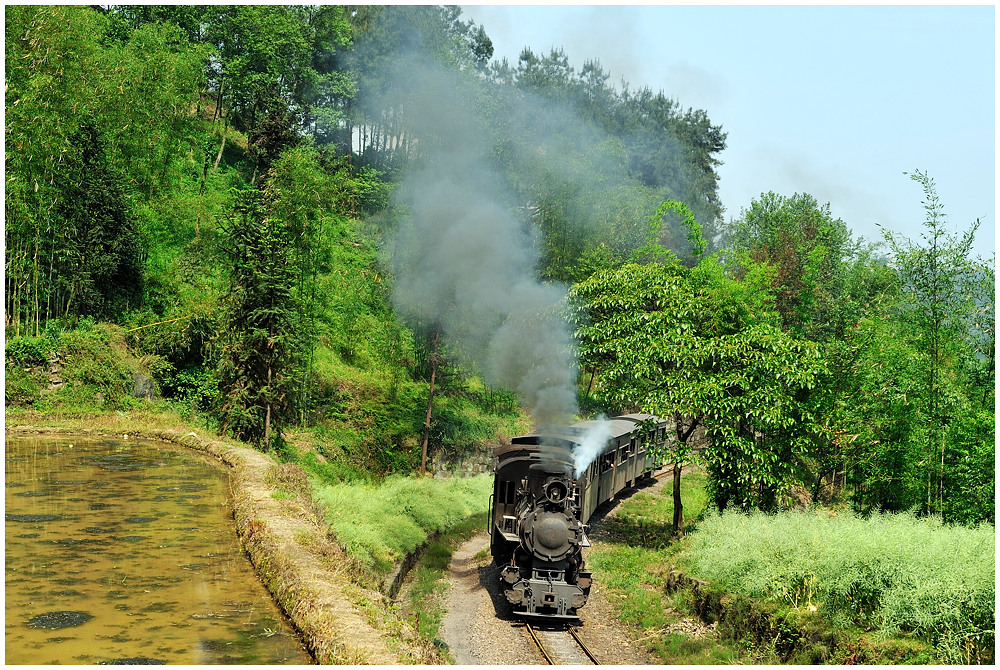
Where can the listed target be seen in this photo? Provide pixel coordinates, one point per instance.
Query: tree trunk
(430, 407)
(593, 371)
(683, 435)
(678, 507)
(218, 157)
(267, 414)
(218, 100)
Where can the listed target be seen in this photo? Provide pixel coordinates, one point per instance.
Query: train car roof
(570, 436)
(638, 418)
(620, 426)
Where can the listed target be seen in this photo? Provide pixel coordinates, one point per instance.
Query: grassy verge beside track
(424, 600)
(379, 524)
(818, 586)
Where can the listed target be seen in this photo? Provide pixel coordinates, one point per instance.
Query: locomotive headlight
(556, 491)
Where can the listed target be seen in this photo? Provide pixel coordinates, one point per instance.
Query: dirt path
(480, 629)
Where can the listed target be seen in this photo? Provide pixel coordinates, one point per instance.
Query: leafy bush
(378, 524)
(20, 387)
(24, 351)
(891, 573)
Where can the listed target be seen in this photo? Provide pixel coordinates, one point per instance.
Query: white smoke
(591, 445)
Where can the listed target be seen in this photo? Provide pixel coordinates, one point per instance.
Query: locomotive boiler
(543, 497)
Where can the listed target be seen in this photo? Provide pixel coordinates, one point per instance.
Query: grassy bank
(378, 524)
(821, 586)
(892, 575)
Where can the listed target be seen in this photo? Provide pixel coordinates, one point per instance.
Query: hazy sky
(834, 101)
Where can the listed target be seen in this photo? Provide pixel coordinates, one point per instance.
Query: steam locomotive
(540, 506)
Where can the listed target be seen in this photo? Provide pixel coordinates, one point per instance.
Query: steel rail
(538, 643)
(576, 636)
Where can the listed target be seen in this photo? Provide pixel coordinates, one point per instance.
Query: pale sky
(834, 101)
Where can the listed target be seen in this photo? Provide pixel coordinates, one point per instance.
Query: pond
(125, 551)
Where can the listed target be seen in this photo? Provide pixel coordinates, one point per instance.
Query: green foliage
(97, 258)
(631, 563)
(890, 573)
(254, 369)
(969, 491)
(695, 343)
(655, 248)
(938, 305)
(90, 370)
(807, 248)
(22, 351)
(66, 190)
(624, 152)
(378, 524)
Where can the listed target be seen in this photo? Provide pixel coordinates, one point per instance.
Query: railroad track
(561, 646)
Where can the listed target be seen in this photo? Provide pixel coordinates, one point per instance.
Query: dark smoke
(465, 265)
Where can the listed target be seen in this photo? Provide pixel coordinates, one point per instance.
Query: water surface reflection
(126, 551)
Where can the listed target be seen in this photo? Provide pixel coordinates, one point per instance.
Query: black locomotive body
(540, 507)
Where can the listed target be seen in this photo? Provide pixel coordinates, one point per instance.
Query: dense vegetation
(209, 200)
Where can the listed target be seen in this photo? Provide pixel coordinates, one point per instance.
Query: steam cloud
(464, 264)
(591, 445)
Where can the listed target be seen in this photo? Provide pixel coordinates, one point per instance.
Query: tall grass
(379, 523)
(896, 574)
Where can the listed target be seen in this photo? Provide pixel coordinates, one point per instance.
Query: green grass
(894, 575)
(632, 564)
(379, 523)
(832, 586)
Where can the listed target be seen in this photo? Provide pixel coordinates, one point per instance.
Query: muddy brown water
(124, 551)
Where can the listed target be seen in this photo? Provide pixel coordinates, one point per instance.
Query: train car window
(607, 462)
(622, 454)
(507, 492)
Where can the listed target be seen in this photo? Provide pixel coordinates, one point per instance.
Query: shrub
(28, 351)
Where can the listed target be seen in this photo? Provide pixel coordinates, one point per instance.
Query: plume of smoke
(591, 445)
(465, 265)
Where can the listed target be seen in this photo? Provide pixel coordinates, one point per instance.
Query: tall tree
(809, 249)
(936, 281)
(298, 196)
(255, 371)
(699, 346)
(98, 254)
